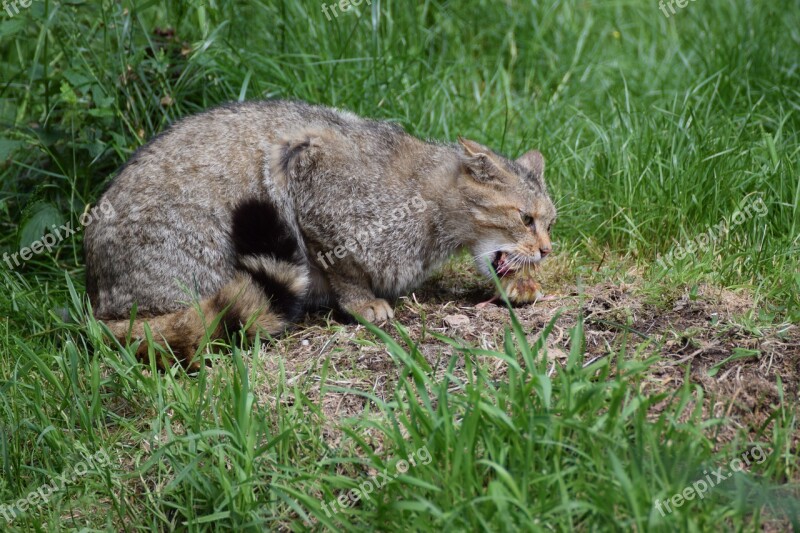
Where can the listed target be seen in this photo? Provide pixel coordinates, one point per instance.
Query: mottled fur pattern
(231, 209)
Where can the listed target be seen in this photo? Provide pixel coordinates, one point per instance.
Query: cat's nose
(545, 250)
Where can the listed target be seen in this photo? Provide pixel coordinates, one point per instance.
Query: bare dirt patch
(740, 367)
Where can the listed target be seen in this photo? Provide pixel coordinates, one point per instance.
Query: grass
(654, 129)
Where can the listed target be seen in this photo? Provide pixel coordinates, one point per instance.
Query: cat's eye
(528, 220)
(549, 227)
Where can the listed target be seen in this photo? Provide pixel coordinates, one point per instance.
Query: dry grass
(692, 329)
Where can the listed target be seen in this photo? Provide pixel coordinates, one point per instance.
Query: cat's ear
(533, 162)
(480, 162)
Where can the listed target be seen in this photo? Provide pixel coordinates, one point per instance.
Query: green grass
(653, 130)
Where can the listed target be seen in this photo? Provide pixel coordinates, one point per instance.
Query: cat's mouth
(504, 265)
(501, 264)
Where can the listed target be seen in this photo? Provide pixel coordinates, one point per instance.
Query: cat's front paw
(375, 311)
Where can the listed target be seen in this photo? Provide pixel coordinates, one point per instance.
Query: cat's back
(226, 146)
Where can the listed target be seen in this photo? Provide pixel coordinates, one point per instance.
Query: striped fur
(266, 294)
(267, 209)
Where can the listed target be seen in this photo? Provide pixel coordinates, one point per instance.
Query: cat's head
(508, 210)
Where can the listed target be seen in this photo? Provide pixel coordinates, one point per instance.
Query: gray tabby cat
(261, 211)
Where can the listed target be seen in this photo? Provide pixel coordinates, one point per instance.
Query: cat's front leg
(354, 295)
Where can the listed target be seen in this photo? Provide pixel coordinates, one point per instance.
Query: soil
(698, 329)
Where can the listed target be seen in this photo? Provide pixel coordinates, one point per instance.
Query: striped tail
(266, 295)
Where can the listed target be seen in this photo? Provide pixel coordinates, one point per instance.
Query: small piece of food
(521, 286)
(519, 282)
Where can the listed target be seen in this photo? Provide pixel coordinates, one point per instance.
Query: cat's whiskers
(493, 252)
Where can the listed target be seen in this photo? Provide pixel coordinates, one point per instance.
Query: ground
(743, 369)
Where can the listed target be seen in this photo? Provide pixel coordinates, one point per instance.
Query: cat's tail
(267, 293)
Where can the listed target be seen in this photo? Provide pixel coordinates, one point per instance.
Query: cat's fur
(237, 207)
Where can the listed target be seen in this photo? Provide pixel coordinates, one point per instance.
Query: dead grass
(695, 330)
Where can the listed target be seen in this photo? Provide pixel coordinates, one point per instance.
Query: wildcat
(238, 208)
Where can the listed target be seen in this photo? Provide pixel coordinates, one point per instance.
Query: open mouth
(501, 264)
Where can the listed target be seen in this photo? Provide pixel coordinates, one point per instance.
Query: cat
(238, 209)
